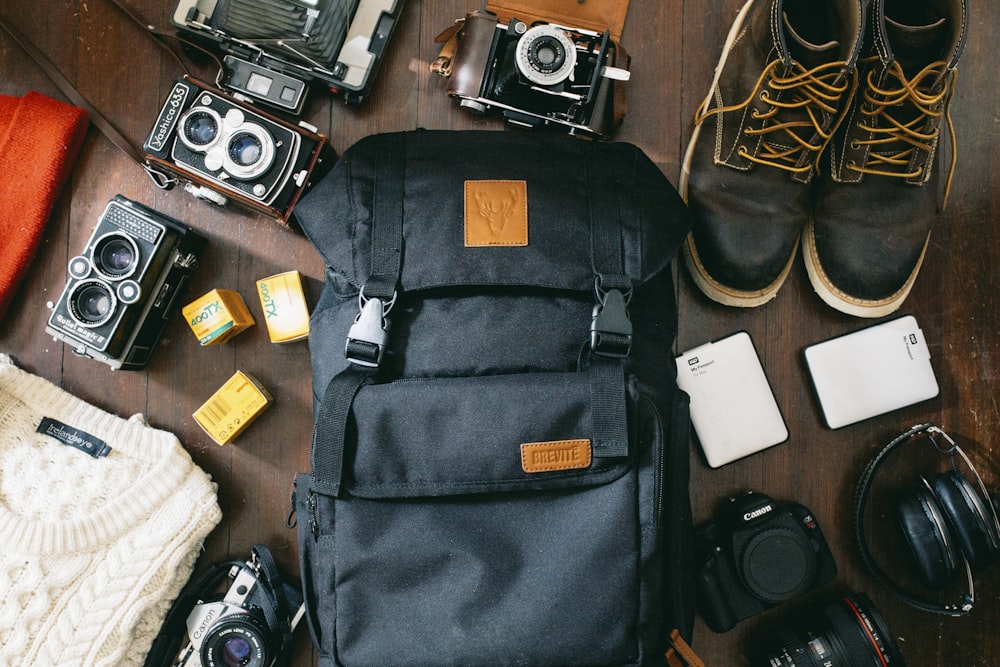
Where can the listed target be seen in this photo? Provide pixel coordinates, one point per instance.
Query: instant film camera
(125, 284)
(275, 48)
(538, 72)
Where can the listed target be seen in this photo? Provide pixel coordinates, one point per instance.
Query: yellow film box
(233, 407)
(285, 309)
(217, 316)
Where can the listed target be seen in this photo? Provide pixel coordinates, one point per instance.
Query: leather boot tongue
(806, 53)
(915, 47)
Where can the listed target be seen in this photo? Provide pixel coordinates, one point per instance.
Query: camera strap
(281, 615)
(159, 36)
(861, 494)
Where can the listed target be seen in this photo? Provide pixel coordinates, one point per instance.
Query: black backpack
(500, 453)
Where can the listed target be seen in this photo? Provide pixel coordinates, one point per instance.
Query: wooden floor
(674, 46)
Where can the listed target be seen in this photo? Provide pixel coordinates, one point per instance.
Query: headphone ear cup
(968, 516)
(927, 534)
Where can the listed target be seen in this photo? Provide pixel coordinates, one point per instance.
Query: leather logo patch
(496, 213)
(555, 455)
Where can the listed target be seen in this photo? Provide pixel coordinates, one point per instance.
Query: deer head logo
(496, 212)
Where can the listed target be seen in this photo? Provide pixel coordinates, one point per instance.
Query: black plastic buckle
(369, 334)
(610, 327)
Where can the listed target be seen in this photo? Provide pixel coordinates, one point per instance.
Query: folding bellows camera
(537, 72)
(125, 284)
(275, 48)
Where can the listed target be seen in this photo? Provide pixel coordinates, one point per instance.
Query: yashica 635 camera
(125, 284)
(276, 48)
(224, 149)
(538, 74)
(756, 555)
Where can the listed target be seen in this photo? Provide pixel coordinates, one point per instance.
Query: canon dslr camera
(125, 284)
(251, 625)
(757, 554)
(543, 74)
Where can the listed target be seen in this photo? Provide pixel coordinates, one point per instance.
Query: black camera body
(538, 75)
(276, 49)
(224, 149)
(250, 624)
(125, 284)
(757, 554)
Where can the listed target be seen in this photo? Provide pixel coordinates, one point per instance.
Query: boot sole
(713, 289)
(840, 300)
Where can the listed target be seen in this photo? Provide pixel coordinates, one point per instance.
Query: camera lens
(236, 641)
(115, 256)
(847, 633)
(245, 149)
(91, 303)
(545, 55)
(250, 151)
(201, 128)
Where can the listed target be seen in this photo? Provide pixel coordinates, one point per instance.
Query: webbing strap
(387, 220)
(613, 288)
(330, 423)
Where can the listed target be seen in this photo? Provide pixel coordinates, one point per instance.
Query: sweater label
(74, 437)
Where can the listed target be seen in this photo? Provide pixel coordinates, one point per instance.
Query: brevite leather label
(555, 455)
(496, 213)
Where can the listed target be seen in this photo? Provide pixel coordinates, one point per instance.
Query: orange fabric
(39, 140)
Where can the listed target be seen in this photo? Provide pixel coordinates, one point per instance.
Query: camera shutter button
(778, 564)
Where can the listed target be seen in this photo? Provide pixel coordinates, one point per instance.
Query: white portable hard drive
(871, 371)
(733, 410)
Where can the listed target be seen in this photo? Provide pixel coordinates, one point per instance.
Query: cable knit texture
(94, 549)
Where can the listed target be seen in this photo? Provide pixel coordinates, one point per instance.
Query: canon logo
(750, 516)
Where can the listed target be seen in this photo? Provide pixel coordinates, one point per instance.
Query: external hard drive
(871, 371)
(733, 410)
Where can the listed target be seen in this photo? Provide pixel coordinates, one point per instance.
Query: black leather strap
(861, 493)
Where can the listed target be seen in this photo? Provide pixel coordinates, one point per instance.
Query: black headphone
(947, 522)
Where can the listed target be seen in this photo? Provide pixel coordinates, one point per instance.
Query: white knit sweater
(92, 550)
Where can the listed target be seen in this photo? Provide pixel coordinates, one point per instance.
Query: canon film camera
(124, 285)
(757, 554)
(275, 48)
(235, 629)
(223, 149)
(543, 74)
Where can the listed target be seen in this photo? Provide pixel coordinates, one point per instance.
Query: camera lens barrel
(115, 256)
(849, 632)
(240, 640)
(92, 303)
(545, 55)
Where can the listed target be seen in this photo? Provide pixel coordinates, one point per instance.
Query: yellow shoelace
(917, 93)
(819, 89)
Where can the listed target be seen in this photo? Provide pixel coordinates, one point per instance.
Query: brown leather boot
(879, 191)
(785, 79)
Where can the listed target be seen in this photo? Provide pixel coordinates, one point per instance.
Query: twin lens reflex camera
(543, 74)
(224, 149)
(125, 284)
(757, 554)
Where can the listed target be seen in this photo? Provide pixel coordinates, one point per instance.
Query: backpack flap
(458, 436)
(497, 208)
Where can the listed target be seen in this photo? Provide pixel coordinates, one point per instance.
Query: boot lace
(896, 114)
(801, 103)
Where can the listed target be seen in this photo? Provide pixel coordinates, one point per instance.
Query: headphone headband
(861, 494)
